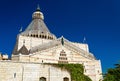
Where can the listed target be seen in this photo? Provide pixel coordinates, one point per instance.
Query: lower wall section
(21, 71)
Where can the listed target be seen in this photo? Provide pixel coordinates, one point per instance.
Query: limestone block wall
(25, 71)
(82, 46)
(15, 57)
(51, 55)
(30, 41)
(93, 70)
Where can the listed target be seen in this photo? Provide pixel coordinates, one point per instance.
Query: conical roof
(37, 27)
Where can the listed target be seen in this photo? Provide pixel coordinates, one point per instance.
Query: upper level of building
(37, 28)
(37, 37)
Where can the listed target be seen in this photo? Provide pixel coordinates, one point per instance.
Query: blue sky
(97, 20)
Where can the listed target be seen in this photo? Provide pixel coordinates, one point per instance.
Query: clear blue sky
(97, 20)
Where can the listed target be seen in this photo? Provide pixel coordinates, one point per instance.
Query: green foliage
(113, 74)
(76, 71)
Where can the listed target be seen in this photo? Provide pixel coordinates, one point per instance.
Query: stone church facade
(36, 46)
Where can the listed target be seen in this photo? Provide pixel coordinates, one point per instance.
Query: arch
(50, 38)
(45, 36)
(65, 79)
(33, 35)
(40, 36)
(36, 35)
(42, 79)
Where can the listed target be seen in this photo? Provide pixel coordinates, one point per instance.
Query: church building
(36, 46)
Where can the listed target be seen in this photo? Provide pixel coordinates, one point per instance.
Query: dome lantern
(37, 14)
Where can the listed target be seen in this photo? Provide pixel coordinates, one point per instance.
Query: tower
(35, 34)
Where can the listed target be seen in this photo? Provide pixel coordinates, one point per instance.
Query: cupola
(37, 14)
(37, 28)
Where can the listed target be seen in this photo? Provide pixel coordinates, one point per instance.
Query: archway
(42, 79)
(65, 79)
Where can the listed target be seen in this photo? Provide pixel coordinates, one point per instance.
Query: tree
(113, 74)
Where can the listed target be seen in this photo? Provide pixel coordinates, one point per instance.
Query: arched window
(65, 79)
(42, 79)
(45, 37)
(36, 35)
(33, 35)
(40, 36)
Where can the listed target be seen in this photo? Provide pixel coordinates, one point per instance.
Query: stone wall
(30, 41)
(51, 55)
(25, 71)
